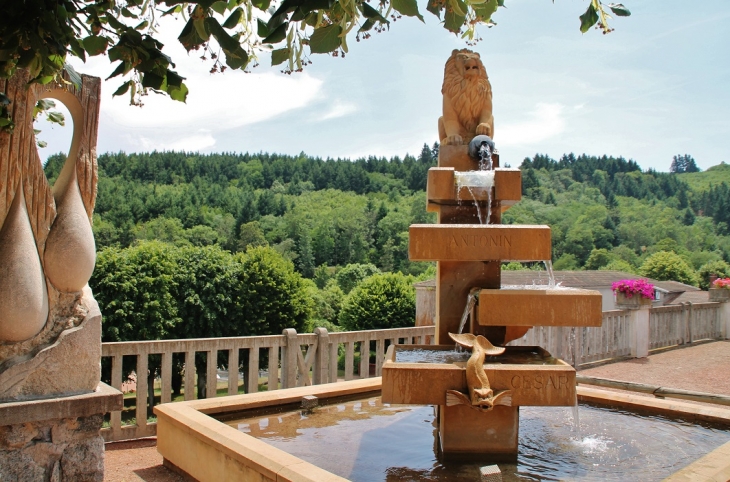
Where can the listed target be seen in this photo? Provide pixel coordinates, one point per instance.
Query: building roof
(589, 279)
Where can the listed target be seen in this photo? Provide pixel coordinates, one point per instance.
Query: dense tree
(682, 164)
(668, 266)
(353, 274)
(385, 300)
(718, 269)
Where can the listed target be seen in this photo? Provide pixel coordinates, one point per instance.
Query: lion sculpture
(467, 99)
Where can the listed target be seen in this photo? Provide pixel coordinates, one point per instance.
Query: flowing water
(367, 441)
(470, 302)
(550, 272)
(476, 182)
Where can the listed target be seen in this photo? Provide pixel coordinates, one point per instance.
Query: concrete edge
(187, 434)
(714, 467)
(190, 423)
(104, 399)
(669, 408)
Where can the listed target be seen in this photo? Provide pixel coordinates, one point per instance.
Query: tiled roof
(579, 279)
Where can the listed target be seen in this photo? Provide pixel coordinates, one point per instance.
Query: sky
(658, 86)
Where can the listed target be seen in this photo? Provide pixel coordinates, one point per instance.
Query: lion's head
(463, 66)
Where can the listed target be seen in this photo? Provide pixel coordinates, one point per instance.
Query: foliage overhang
(39, 34)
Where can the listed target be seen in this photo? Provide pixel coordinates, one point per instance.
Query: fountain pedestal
(478, 399)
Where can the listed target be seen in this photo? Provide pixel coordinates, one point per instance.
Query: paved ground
(704, 368)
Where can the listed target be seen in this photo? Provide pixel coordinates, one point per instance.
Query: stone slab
(531, 307)
(714, 467)
(104, 399)
(427, 383)
(477, 242)
(441, 187)
(458, 158)
(463, 430)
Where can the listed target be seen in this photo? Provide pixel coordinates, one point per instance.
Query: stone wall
(55, 450)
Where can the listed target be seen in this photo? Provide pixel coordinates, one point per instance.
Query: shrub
(668, 266)
(719, 269)
(381, 301)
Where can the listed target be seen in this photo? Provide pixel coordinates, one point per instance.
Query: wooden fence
(295, 359)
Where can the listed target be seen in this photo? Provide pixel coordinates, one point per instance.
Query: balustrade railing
(288, 360)
(187, 369)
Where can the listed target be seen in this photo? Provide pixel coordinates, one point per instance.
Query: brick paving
(704, 367)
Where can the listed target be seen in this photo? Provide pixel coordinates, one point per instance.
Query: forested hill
(603, 211)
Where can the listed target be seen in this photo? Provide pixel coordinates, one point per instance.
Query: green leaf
(57, 118)
(123, 88)
(452, 21)
(152, 80)
(367, 25)
(486, 10)
(118, 71)
(189, 37)
(325, 39)
(114, 23)
(311, 5)
(277, 35)
(226, 41)
(201, 26)
(142, 25)
(219, 7)
(77, 48)
(127, 13)
(234, 18)
(434, 7)
(262, 28)
(372, 13)
(407, 7)
(619, 9)
(179, 94)
(279, 56)
(173, 79)
(262, 5)
(73, 76)
(588, 19)
(95, 45)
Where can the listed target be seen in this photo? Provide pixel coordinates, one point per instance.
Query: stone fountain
(478, 398)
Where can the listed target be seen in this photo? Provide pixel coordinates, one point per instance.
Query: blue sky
(659, 85)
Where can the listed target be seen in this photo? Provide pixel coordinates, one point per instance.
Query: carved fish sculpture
(481, 396)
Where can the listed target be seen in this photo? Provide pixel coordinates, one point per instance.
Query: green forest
(174, 230)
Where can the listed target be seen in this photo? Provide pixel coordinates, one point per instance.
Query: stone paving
(703, 367)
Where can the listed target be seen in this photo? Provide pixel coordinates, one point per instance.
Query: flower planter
(719, 294)
(637, 301)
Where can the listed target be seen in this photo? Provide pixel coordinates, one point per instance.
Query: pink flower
(630, 287)
(721, 283)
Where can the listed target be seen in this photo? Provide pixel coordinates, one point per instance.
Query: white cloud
(545, 121)
(190, 143)
(338, 109)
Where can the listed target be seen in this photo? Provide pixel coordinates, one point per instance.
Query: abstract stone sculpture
(51, 400)
(467, 106)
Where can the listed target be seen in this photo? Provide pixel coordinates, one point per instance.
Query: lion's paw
(484, 130)
(454, 140)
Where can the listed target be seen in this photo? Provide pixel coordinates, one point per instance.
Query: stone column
(640, 331)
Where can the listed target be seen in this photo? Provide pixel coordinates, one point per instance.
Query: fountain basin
(479, 242)
(442, 186)
(531, 373)
(192, 441)
(543, 307)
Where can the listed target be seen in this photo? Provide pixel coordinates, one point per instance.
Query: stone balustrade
(297, 359)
